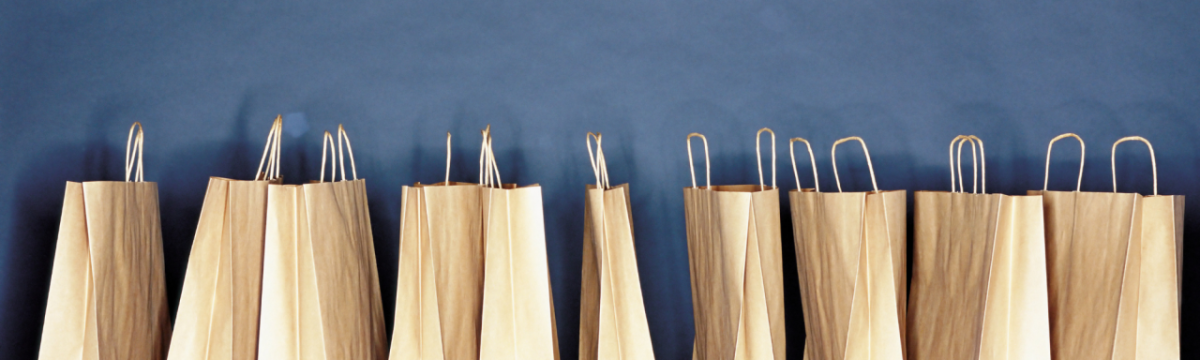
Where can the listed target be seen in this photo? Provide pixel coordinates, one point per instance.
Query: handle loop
(758, 151)
(328, 145)
(133, 153)
(1153, 163)
(599, 166)
(353, 169)
(489, 172)
(493, 169)
(952, 177)
(483, 163)
(691, 165)
(811, 158)
(271, 151)
(977, 164)
(1082, 157)
(447, 183)
(982, 164)
(870, 167)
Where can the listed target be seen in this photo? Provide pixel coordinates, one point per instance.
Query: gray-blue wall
(207, 77)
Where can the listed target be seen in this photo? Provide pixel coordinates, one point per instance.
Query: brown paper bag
(321, 295)
(218, 310)
(1114, 263)
(979, 272)
(439, 291)
(850, 254)
(107, 296)
(612, 322)
(736, 266)
(518, 306)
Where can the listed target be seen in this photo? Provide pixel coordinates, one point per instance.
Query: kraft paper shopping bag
(979, 271)
(107, 296)
(612, 323)
(735, 258)
(851, 254)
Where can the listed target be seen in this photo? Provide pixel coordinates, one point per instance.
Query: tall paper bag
(851, 254)
(735, 260)
(979, 272)
(440, 283)
(321, 296)
(219, 307)
(518, 306)
(107, 296)
(1104, 252)
(612, 322)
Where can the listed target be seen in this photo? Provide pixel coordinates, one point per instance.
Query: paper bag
(1113, 262)
(107, 296)
(735, 260)
(218, 310)
(321, 295)
(439, 291)
(850, 251)
(979, 272)
(612, 322)
(518, 306)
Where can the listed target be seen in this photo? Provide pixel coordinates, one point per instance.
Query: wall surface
(207, 77)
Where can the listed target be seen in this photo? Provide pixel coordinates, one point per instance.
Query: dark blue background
(207, 77)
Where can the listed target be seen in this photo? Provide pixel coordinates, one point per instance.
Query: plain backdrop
(207, 77)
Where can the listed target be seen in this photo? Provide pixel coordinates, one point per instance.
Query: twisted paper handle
(978, 169)
(133, 153)
(1153, 163)
(870, 167)
(1082, 156)
(811, 158)
(599, 166)
(758, 151)
(707, 166)
(271, 152)
(342, 160)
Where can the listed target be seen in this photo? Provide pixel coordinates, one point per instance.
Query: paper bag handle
(978, 159)
(870, 168)
(692, 166)
(133, 153)
(1153, 163)
(327, 145)
(812, 159)
(758, 151)
(953, 183)
(489, 172)
(1082, 156)
(483, 152)
(599, 166)
(982, 164)
(271, 151)
(485, 170)
(342, 160)
(447, 183)
(493, 169)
